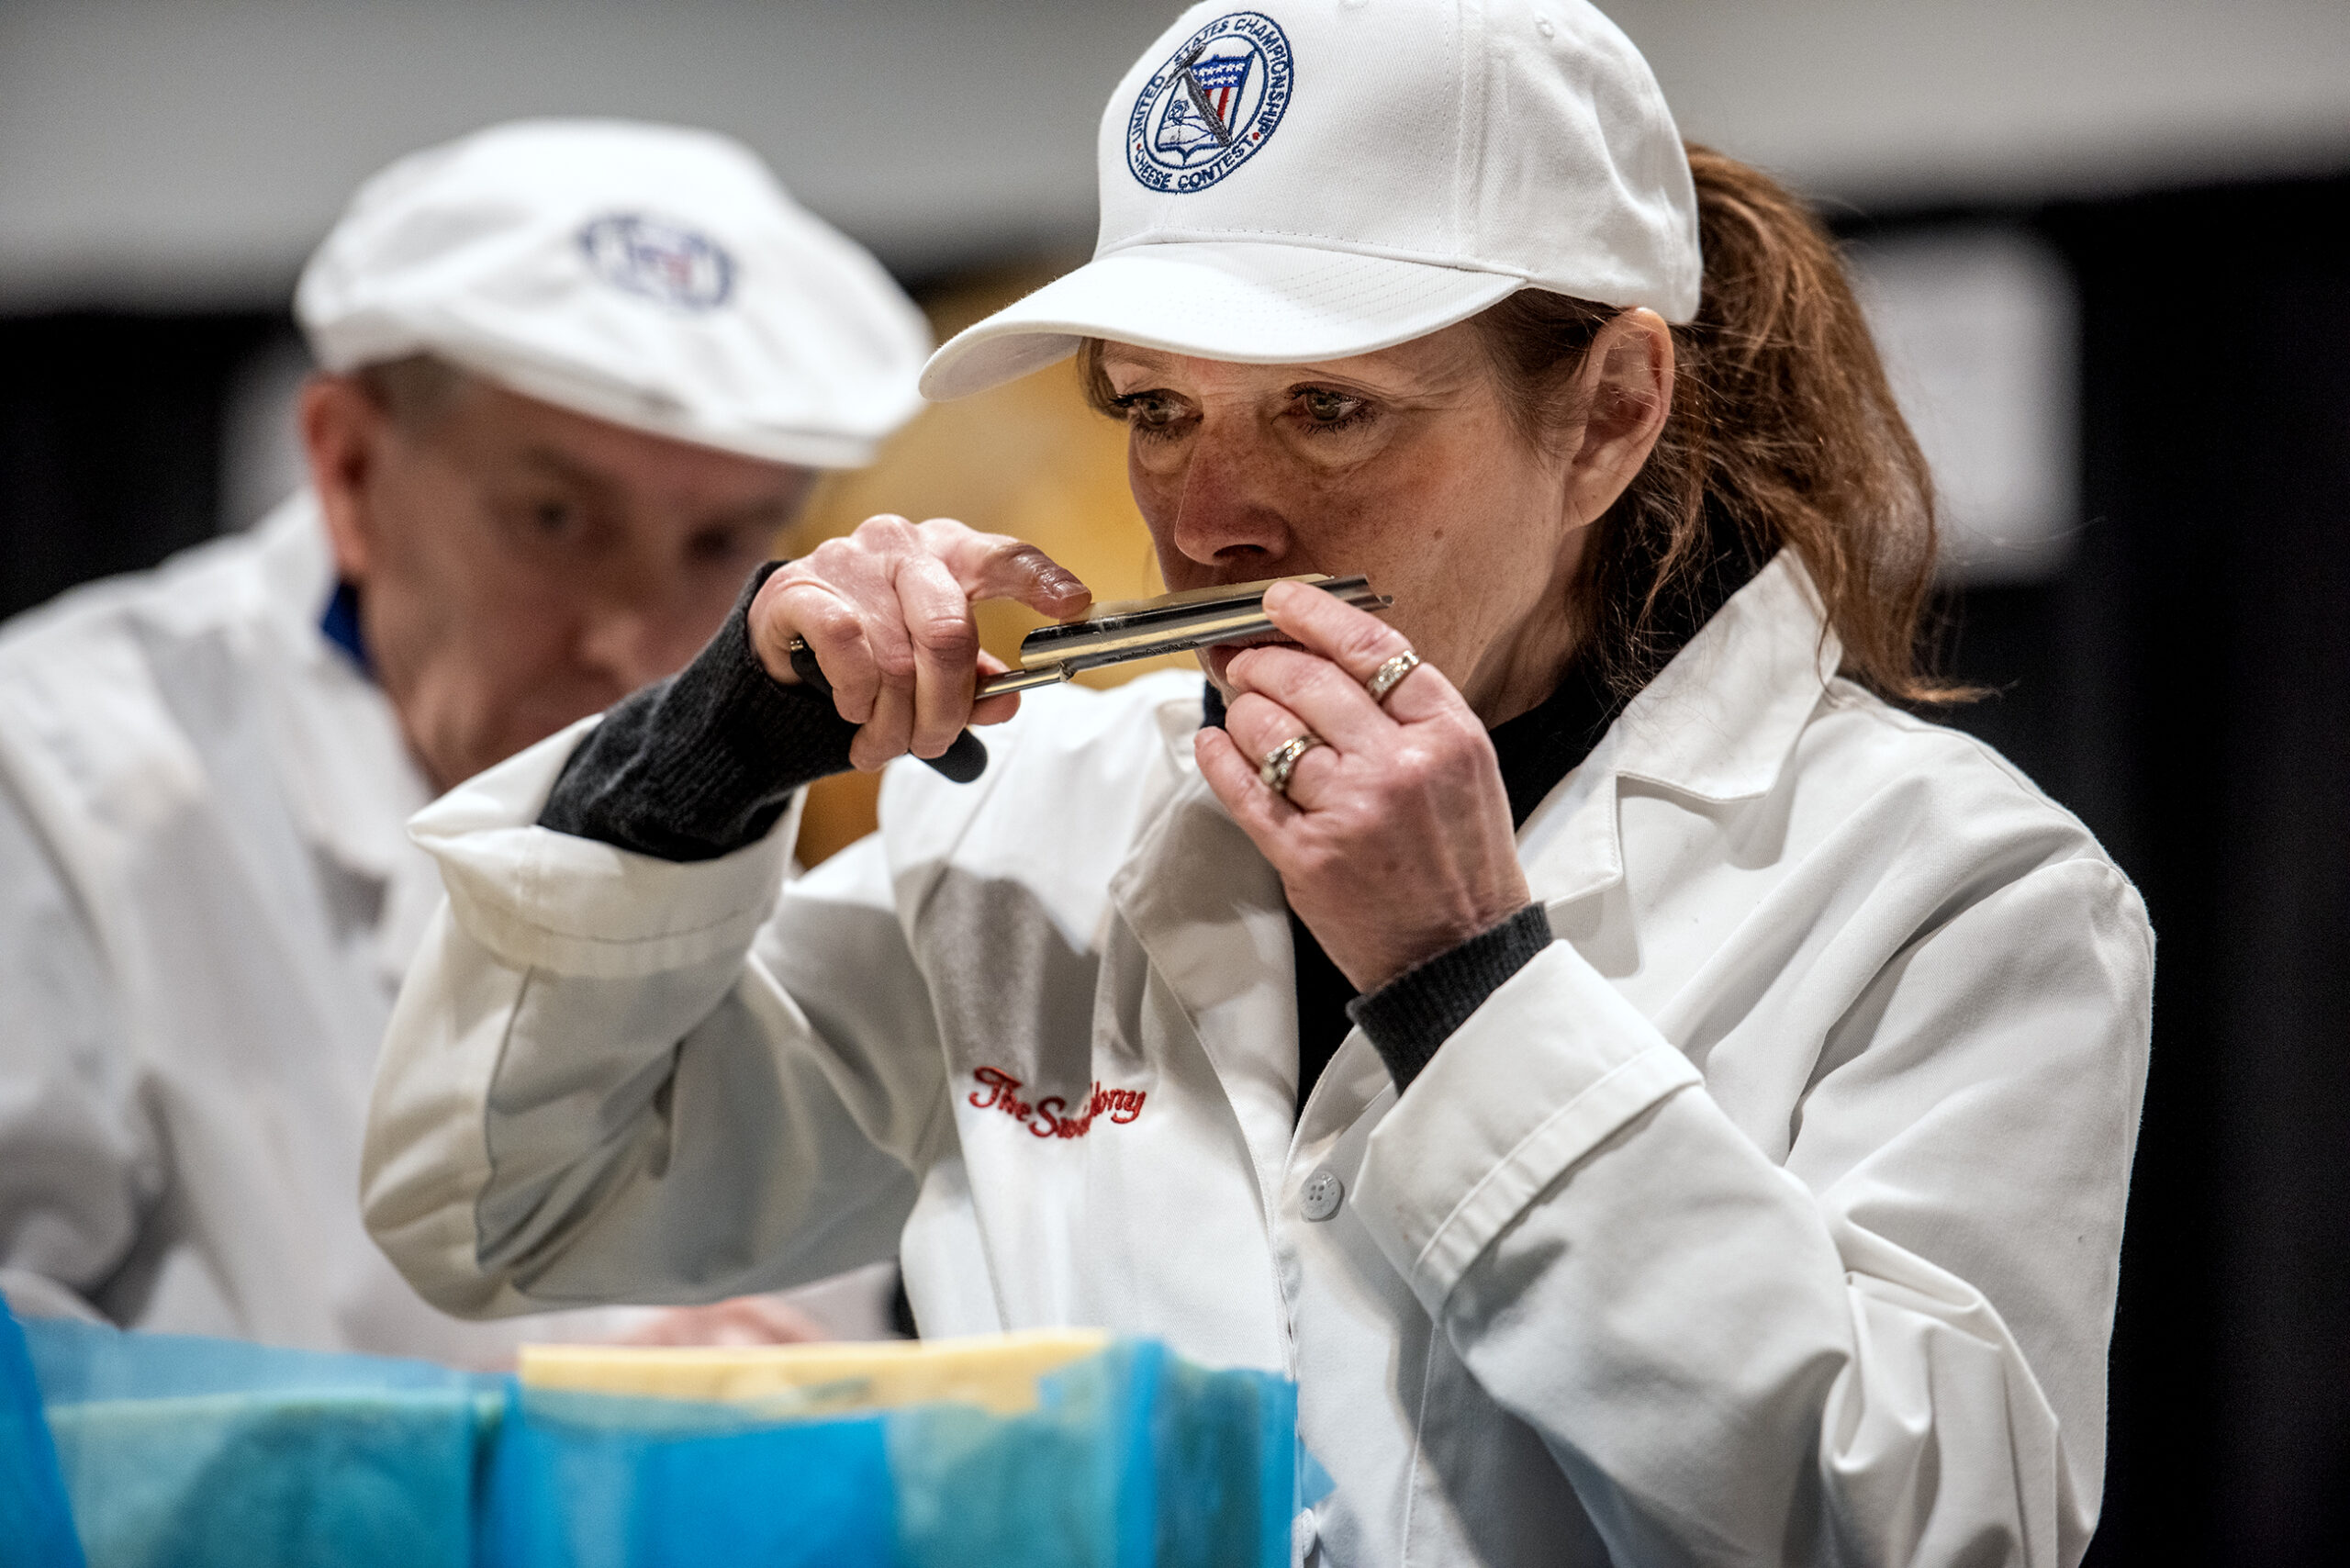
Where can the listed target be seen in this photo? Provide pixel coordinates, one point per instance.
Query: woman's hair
(1784, 433)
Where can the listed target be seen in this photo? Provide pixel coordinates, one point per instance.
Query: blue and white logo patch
(1215, 101)
(659, 261)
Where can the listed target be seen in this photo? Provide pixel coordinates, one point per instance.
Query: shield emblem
(1205, 100)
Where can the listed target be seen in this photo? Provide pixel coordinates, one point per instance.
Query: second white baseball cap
(1311, 179)
(651, 275)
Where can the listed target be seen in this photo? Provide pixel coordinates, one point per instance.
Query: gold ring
(1282, 761)
(1389, 675)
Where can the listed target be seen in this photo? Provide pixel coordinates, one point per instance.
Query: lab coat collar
(1716, 725)
(1717, 722)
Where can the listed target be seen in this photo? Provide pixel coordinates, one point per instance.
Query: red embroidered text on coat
(998, 1090)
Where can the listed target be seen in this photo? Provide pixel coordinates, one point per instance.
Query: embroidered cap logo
(659, 261)
(1215, 101)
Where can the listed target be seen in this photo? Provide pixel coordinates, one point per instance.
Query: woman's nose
(1227, 510)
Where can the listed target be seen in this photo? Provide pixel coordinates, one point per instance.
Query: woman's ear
(342, 433)
(1626, 393)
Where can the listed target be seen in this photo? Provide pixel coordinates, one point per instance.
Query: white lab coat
(207, 902)
(1772, 1216)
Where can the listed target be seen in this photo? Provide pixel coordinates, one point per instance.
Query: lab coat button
(1322, 1191)
(1304, 1535)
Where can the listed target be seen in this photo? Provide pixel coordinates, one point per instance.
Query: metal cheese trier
(1230, 614)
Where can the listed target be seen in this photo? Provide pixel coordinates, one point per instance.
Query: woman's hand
(1394, 841)
(888, 613)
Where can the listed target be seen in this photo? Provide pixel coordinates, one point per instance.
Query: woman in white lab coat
(1662, 1102)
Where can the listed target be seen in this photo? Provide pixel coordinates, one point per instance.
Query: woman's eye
(1150, 413)
(1330, 409)
(554, 518)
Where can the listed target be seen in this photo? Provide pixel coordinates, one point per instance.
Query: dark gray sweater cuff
(1411, 1015)
(703, 764)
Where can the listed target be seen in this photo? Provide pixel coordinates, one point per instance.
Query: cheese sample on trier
(996, 1372)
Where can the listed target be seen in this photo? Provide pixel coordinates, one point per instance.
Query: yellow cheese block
(995, 1371)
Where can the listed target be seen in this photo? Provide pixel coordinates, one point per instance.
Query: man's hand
(886, 612)
(1394, 841)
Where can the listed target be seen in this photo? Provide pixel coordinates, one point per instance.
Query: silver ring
(1389, 675)
(1282, 761)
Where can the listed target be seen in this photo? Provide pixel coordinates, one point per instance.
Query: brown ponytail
(1783, 433)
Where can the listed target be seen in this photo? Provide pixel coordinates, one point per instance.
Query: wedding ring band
(1282, 761)
(1389, 675)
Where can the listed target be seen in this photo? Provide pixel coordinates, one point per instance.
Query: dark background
(2183, 684)
(110, 439)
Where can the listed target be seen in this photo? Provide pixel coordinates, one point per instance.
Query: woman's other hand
(887, 610)
(1394, 841)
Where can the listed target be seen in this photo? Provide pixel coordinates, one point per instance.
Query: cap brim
(1254, 304)
(636, 409)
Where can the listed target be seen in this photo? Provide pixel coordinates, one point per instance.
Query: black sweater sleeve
(1409, 1017)
(703, 764)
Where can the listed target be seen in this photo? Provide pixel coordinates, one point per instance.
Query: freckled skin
(521, 565)
(1402, 465)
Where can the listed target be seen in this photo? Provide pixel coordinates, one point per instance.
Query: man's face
(520, 565)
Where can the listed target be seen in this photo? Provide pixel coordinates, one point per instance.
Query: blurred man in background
(575, 375)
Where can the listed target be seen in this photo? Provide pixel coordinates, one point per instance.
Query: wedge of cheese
(998, 1372)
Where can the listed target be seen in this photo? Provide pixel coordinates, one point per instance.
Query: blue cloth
(185, 1452)
(1133, 1459)
(36, 1520)
(176, 1452)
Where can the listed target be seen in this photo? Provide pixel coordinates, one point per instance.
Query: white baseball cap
(651, 275)
(1309, 179)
